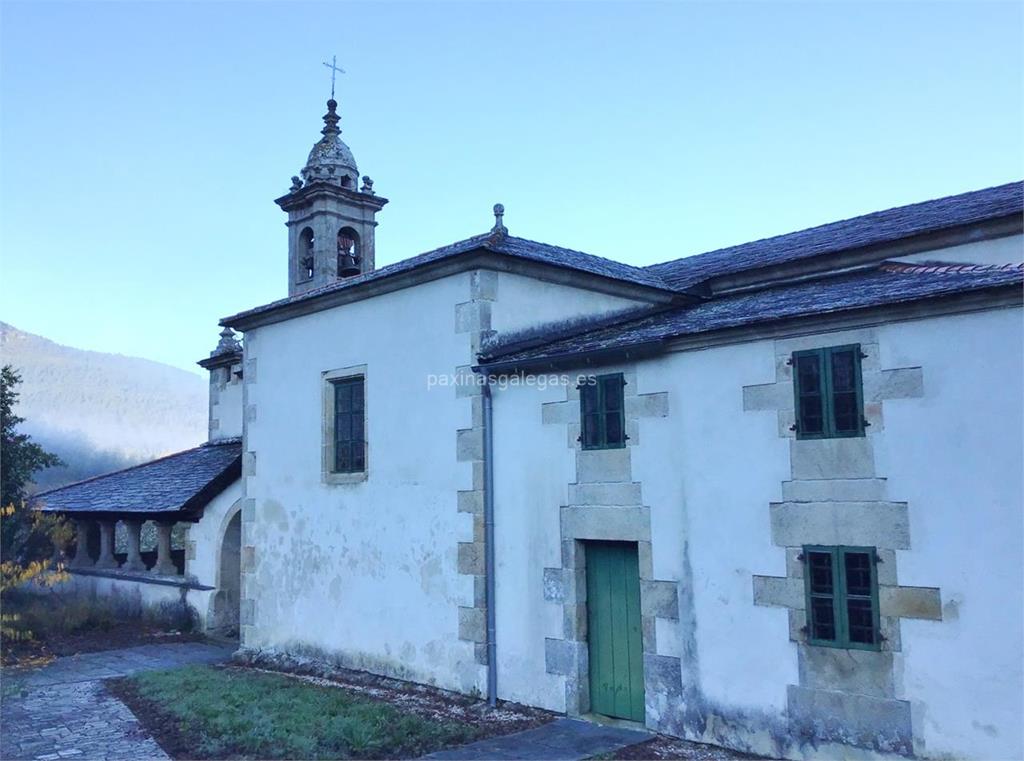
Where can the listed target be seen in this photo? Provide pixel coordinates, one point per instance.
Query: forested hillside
(100, 412)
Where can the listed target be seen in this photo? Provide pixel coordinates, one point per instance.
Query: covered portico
(187, 500)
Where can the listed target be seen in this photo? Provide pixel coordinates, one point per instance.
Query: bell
(348, 265)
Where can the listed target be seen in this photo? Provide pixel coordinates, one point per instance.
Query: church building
(767, 497)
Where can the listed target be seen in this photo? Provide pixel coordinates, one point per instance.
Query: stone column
(82, 559)
(106, 558)
(134, 561)
(164, 565)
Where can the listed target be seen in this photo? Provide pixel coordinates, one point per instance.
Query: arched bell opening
(348, 252)
(306, 261)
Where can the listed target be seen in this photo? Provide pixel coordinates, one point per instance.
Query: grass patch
(205, 712)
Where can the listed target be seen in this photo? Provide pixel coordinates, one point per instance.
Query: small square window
(842, 597)
(829, 397)
(602, 412)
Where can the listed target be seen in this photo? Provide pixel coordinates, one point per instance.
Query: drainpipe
(492, 665)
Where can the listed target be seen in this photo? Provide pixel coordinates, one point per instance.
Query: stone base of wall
(299, 658)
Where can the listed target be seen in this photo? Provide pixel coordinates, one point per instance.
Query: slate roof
(871, 229)
(184, 482)
(887, 283)
(683, 275)
(518, 248)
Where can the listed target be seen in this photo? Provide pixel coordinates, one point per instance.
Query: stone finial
(228, 343)
(499, 226)
(331, 119)
(296, 183)
(367, 186)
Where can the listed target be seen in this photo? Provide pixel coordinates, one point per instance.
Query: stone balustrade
(134, 561)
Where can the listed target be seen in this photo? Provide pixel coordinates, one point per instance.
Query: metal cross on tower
(333, 66)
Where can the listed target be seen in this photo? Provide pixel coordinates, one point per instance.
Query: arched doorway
(229, 580)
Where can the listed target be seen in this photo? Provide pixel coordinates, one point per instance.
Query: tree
(27, 537)
(22, 457)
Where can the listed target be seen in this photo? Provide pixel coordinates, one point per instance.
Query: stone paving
(559, 740)
(61, 710)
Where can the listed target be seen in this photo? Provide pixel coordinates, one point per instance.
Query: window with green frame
(842, 597)
(602, 412)
(829, 395)
(349, 425)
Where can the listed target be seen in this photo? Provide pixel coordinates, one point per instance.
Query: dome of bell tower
(331, 160)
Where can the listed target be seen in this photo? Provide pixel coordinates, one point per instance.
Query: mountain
(101, 412)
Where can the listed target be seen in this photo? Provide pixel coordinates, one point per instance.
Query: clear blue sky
(143, 143)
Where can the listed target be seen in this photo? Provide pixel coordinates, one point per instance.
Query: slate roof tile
(185, 481)
(689, 272)
(870, 229)
(889, 283)
(519, 248)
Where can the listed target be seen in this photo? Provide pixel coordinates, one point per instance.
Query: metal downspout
(492, 665)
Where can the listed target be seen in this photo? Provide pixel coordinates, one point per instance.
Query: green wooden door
(613, 628)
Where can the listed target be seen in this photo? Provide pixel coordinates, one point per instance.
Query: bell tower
(331, 218)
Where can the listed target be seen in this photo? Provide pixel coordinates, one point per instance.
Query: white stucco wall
(709, 471)
(955, 456)
(365, 569)
(134, 595)
(524, 302)
(532, 467)
(203, 547)
(367, 572)
(201, 565)
(225, 403)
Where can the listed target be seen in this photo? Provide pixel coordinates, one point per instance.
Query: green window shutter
(842, 597)
(590, 413)
(349, 425)
(820, 580)
(613, 407)
(602, 412)
(829, 398)
(845, 405)
(860, 597)
(809, 384)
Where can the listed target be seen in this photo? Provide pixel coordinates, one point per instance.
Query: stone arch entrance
(224, 618)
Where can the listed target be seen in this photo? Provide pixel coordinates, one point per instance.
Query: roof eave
(936, 305)
(320, 189)
(197, 502)
(639, 350)
(1007, 295)
(221, 360)
(170, 516)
